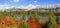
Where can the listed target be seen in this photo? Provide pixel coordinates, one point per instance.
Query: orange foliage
(17, 21)
(32, 22)
(5, 21)
(4, 26)
(1, 19)
(58, 25)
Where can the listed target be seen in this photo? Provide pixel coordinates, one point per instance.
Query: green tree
(36, 16)
(52, 21)
(24, 23)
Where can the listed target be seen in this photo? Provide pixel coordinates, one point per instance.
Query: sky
(22, 3)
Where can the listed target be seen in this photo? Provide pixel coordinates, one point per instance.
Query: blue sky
(4, 3)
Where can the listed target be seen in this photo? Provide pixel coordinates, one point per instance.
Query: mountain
(53, 7)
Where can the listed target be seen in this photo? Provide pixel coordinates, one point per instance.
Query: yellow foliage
(4, 26)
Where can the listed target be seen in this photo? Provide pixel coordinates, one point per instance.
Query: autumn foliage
(10, 22)
(32, 22)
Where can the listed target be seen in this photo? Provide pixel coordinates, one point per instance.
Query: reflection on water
(20, 17)
(41, 17)
(44, 18)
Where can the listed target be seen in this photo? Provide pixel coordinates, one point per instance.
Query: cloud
(5, 6)
(35, 1)
(16, 0)
(2, 5)
(30, 6)
(9, 7)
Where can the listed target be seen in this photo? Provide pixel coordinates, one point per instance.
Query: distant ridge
(32, 7)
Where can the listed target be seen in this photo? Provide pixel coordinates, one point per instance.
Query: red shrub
(32, 22)
(5, 21)
(39, 25)
(17, 21)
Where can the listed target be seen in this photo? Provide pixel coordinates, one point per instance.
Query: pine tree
(24, 24)
(36, 16)
(52, 22)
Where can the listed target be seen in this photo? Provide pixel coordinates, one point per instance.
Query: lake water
(41, 17)
(44, 18)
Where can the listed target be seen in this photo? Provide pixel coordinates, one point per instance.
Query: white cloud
(16, 0)
(5, 6)
(22, 7)
(23, 0)
(8, 7)
(2, 5)
(30, 6)
(35, 1)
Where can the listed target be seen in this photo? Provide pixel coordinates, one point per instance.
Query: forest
(29, 19)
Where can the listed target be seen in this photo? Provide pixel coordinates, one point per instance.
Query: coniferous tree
(52, 21)
(24, 23)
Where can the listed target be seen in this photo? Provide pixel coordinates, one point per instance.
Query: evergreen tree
(52, 21)
(24, 24)
(36, 16)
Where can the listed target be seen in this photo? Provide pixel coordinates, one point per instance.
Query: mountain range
(31, 7)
